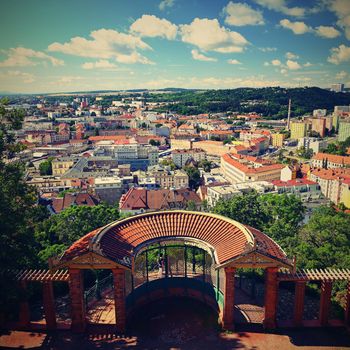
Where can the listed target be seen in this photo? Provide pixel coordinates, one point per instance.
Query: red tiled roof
(295, 182)
(333, 158)
(120, 240)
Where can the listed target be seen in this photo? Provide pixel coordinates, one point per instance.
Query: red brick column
(49, 305)
(119, 299)
(24, 311)
(347, 307)
(325, 302)
(299, 297)
(76, 291)
(229, 298)
(271, 297)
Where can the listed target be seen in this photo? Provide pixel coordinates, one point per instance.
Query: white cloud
(341, 75)
(240, 14)
(166, 3)
(233, 61)
(268, 49)
(296, 27)
(200, 57)
(281, 6)
(208, 35)
(291, 56)
(276, 62)
(342, 10)
(105, 44)
(284, 71)
(339, 54)
(152, 26)
(307, 64)
(21, 57)
(101, 64)
(327, 32)
(266, 64)
(293, 65)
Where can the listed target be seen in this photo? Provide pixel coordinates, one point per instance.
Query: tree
(168, 162)
(206, 165)
(154, 142)
(18, 213)
(246, 209)
(45, 167)
(325, 240)
(58, 232)
(194, 176)
(191, 206)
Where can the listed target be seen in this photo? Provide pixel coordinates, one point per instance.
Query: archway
(223, 244)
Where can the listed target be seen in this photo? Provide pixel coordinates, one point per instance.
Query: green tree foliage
(339, 148)
(168, 162)
(18, 213)
(279, 216)
(58, 232)
(154, 142)
(325, 240)
(194, 176)
(191, 206)
(206, 165)
(272, 102)
(245, 209)
(305, 153)
(45, 167)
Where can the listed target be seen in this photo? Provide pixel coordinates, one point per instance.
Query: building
(109, 189)
(141, 200)
(288, 173)
(181, 156)
(238, 168)
(166, 178)
(76, 199)
(305, 189)
(313, 143)
(221, 192)
(337, 87)
(344, 130)
(331, 182)
(298, 130)
(319, 125)
(319, 113)
(277, 139)
(330, 161)
(62, 165)
(345, 193)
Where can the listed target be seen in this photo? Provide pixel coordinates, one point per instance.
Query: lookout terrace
(156, 256)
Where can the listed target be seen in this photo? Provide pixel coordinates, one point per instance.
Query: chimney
(289, 113)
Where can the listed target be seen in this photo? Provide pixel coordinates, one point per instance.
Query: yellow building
(297, 130)
(61, 165)
(345, 193)
(277, 140)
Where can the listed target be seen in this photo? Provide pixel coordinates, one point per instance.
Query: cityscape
(175, 174)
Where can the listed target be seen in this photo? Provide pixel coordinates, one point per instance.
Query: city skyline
(116, 45)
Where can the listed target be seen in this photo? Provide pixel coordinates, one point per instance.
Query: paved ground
(175, 324)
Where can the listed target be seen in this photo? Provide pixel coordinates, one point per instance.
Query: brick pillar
(119, 299)
(49, 305)
(299, 297)
(76, 291)
(24, 311)
(325, 302)
(271, 297)
(347, 306)
(229, 298)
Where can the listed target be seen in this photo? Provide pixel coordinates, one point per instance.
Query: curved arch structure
(227, 239)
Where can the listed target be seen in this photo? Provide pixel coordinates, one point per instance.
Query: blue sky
(57, 46)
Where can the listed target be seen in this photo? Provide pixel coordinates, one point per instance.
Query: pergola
(231, 245)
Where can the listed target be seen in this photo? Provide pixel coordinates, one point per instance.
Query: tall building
(319, 125)
(277, 139)
(338, 87)
(237, 168)
(298, 130)
(344, 130)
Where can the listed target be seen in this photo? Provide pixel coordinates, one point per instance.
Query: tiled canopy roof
(228, 239)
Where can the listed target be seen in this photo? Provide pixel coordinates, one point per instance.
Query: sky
(83, 45)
